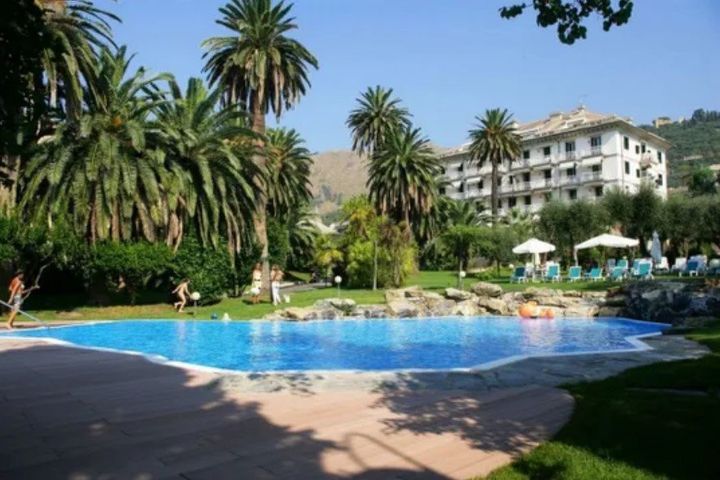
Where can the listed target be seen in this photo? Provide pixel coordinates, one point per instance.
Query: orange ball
(526, 310)
(548, 313)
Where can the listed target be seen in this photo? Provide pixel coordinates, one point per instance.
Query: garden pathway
(83, 414)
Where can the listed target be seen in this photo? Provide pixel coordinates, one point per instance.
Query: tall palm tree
(375, 117)
(77, 32)
(262, 69)
(402, 177)
(97, 172)
(210, 181)
(494, 140)
(288, 172)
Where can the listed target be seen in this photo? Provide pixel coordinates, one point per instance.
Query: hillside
(695, 143)
(336, 176)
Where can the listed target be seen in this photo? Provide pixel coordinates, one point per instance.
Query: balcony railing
(570, 156)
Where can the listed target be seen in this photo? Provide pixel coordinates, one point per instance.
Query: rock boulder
(486, 289)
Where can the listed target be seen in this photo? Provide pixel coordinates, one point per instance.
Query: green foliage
(496, 244)
(462, 241)
(129, 265)
(569, 16)
(258, 64)
(209, 269)
(703, 181)
(402, 178)
(494, 141)
(567, 224)
(376, 116)
(288, 172)
(278, 242)
(695, 144)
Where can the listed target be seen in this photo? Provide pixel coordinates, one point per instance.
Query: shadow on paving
(489, 422)
(82, 414)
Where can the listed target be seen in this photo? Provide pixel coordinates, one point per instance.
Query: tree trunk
(260, 219)
(375, 264)
(494, 191)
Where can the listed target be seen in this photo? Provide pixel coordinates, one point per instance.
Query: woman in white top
(276, 277)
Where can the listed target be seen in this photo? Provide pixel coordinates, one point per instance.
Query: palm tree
(288, 172)
(77, 32)
(494, 140)
(210, 181)
(377, 115)
(402, 178)
(261, 69)
(97, 172)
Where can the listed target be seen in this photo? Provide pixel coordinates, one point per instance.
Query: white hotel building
(567, 156)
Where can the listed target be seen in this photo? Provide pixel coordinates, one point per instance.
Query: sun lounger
(519, 275)
(574, 273)
(553, 273)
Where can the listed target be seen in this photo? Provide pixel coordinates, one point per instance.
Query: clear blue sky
(451, 59)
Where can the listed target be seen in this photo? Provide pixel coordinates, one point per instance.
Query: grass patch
(623, 428)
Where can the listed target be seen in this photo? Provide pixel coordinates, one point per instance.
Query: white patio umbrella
(534, 247)
(606, 240)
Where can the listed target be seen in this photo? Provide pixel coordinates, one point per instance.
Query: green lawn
(75, 307)
(623, 428)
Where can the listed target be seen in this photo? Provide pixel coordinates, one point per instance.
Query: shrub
(278, 242)
(209, 270)
(129, 266)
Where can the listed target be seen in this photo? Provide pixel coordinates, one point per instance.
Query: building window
(596, 168)
(546, 151)
(659, 180)
(595, 142)
(627, 168)
(461, 167)
(480, 185)
(570, 172)
(548, 174)
(511, 179)
(637, 149)
(526, 154)
(637, 172)
(499, 203)
(528, 200)
(548, 197)
(442, 170)
(572, 194)
(659, 156)
(569, 147)
(461, 188)
(642, 148)
(626, 143)
(526, 177)
(442, 190)
(599, 191)
(499, 181)
(511, 202)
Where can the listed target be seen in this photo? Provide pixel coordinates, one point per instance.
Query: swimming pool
(377, 344)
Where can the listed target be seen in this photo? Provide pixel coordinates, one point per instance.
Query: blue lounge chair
(553, 273)
(617, 273)
(595, 274)
(635, 265)
(643, 271)
(574, 273)
(519, 275)
(692, 268)
(611, 263)
(623, 263)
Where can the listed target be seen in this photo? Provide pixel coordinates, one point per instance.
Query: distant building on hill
(566, 156)
(660, 121)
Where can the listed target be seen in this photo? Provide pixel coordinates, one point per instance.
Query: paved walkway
(81, 414)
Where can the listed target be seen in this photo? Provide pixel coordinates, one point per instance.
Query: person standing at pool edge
(256, 283)
(276, 277)
(16, 289)
(182, 291)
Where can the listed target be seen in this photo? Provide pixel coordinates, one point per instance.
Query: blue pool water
(441, 343)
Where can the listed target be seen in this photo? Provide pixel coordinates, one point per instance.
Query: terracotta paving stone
(81, 414)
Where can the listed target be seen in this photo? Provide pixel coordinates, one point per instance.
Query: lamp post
(461, 276)
(338, 281)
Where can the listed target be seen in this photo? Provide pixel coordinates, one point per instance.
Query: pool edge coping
(635, 340)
